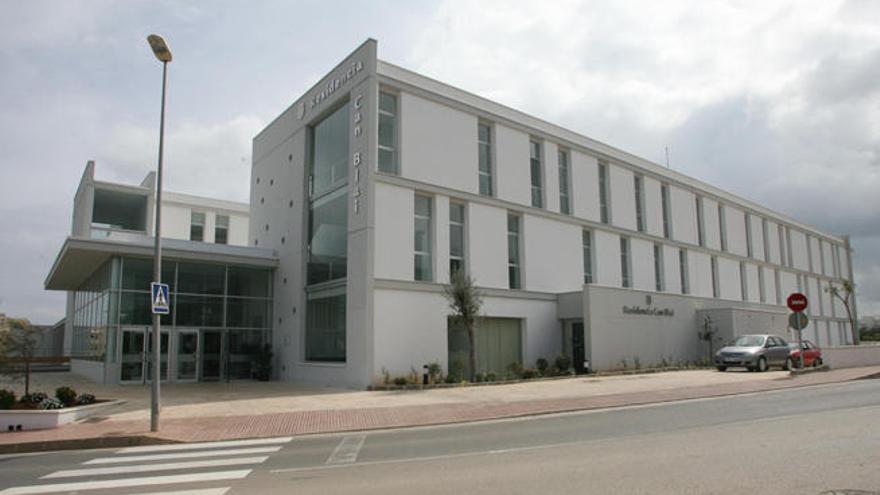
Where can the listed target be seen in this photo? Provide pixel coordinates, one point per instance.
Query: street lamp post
(161, 51)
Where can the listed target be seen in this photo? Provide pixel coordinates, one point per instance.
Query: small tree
(18, 341)
(465, 301)
(844, 294)
(707, 334)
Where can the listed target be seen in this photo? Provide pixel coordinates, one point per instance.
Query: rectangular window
(701, 223)
(388, 133)
(422, 240)
(776, 280)
(722, 227)
(625, 279)
(822, 257)
(328, 198)
(221, 229)
(640, 202)
(667, 218)
(750, 252)
(762, 286)
(714, 269)
(659, 282)
(809, 253)
(765, 231)
(588, 256)
(788, 247)
(197, 226)
(537, 174)
(683, 271)
(513, 259)
(781, 234)
(456, 239)
(743, 281)
(484, 145)
(325, 329)
(604, 212)
(564, 181)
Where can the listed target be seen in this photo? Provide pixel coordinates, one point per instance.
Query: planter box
(25, 420)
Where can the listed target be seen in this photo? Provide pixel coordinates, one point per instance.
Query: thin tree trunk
(852, 324)
(27, 376)
(472, 354)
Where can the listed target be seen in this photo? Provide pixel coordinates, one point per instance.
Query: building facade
(221, 290)
(378, 183)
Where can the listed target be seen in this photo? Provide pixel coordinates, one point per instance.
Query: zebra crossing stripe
(347, 450)
(202, 491)
(145, 468)
(204, 445)
(123, 483)
(182, 455)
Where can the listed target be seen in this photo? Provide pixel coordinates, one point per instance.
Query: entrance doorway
(578, 349)
(137, 351)
(212, 355)
(187, 354)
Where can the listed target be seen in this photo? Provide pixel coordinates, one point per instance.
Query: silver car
(754, 352)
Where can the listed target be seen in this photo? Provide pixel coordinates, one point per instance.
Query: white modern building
(378, 182)
(220, 289)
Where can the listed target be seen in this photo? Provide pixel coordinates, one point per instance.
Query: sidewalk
(315, 410)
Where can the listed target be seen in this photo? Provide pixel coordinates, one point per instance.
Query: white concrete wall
(710, 217)
(613, 335)
(542, 330)
(513, 175)
(827, 257)
(734, 220)
(393, 254)
(653, 207)
(754, 294)
(728, 279)
(684, 215)
(700, 274)
(773, 238)
(642, 263)
(770, 285)
(757, 237)
(799, 250)
(607, 269)
(438, 145)
(559, 272)
(623, 207)
(585, 186)
(176, 222)
(410, 331)
(815, 255)
(487, 249)
(672, 269)
(851, 356)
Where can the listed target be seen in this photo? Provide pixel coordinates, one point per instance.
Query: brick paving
(209, 428)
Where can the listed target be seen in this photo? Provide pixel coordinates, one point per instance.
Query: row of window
(197, 228)
(388, 162)
(422, 262)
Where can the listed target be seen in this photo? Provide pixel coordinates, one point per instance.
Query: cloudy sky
(778, 102)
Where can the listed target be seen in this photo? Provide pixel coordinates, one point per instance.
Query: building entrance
(578, 349)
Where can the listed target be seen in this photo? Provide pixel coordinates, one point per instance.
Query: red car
(812, 354)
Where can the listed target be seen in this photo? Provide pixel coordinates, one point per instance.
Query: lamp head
(160, 48)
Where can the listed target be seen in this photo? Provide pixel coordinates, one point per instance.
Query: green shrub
(479, 377)
(450, 379)
(33, 398)
(435, 372)
(7, 399)
(490, 376)
(66, 395)
(400, 380)
(85, 399)
(562, 364)
(541, 364)
(515, 369)
(51, 403)
(529, 373)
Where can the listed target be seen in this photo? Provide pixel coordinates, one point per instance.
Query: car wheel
(789, 364)
(762, 365)
(721, 368)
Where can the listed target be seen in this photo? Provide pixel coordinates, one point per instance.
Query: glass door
(132, 360)
(163, 356)
(578, 350)
(187, 354)
(212, 355)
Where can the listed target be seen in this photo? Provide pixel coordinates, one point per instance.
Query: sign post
(797, 303)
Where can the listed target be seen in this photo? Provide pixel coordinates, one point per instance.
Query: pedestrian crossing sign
(159, 298)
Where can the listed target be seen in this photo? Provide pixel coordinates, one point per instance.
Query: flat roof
(79, 257)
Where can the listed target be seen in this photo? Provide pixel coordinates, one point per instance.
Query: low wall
(851, 356)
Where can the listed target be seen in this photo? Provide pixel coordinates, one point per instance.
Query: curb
(83, 443)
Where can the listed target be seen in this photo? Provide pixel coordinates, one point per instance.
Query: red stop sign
(797, 302)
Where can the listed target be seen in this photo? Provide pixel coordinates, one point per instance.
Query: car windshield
(748, 341)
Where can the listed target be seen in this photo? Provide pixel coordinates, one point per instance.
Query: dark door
(577, 347)
(212, 355)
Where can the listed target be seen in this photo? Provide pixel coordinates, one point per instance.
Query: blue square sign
(159, 298)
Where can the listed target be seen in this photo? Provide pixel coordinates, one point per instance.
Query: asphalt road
(803, 441)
